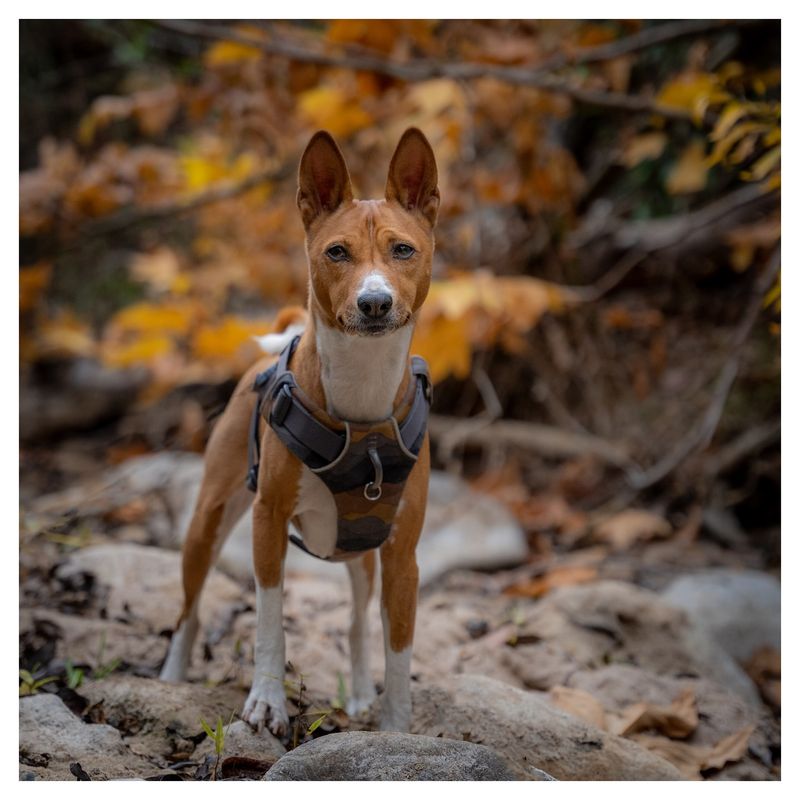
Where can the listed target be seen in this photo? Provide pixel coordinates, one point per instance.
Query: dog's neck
(360, 377)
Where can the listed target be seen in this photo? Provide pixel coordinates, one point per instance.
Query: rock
(144, 584)
(463, 528)
(78, 394)
(741, 611)
(242, 740)
(721, 712)
(615, 622)
(364, 756)
(161, 719)
(529, 732)
(51, 738)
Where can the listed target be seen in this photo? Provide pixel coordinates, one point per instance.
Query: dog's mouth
(364, 326)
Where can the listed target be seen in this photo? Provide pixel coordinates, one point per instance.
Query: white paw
(265, 706)
(400, 723)
(360, 703)
(172, 673)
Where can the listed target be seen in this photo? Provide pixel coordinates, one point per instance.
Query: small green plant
(30, 685)
(103, 669)
(74, 675)
(340, 700)
(217, 735)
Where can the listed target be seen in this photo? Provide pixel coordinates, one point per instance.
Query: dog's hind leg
(222, 500)
(362, 688)
(208, 531)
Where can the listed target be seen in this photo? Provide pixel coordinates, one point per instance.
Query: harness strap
(313, 442)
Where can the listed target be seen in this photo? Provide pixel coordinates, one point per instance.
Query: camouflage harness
(364, 465)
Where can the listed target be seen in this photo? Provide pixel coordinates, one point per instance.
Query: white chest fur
(361, 374)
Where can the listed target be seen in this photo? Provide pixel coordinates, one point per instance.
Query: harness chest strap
(364, 465)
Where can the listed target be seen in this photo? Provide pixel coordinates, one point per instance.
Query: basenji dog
(369, 272)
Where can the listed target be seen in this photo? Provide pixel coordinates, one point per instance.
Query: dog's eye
(337, 253)
(402, 250)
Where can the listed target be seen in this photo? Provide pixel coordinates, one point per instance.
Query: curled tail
(290, 322)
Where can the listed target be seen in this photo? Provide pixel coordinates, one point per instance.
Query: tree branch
(702, 433)
(131, 216)
(426, 69)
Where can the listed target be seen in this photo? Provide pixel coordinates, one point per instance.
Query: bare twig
(542, 439)
(702, 433)
(132, 216)
(648, 37)
(749, 442)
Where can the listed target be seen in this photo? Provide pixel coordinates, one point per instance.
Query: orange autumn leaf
(32, 283)
(223, 340)
(444, 343)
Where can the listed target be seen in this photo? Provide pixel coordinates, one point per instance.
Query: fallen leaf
(644, 147)
(555, 578)
(633, 525)
(690, 172)
(677, 720)
(580, 704)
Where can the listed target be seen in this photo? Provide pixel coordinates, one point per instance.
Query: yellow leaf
(730, 115)
(643, 147)
(768, 162)
(226, 53)
(685, 91)
(724, 145)
(148, 317)
(143, 350)
(690, 172)
(331, 108)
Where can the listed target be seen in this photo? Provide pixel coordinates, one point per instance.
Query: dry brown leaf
(631, 526)
(694, 759)
(677, 720)
(690, 172)
(558, 576)
(643, 147)
(731, 748)
(765, 669)
(688, 758)
(580, 704)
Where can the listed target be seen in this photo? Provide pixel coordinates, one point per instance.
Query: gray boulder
(530, 733)
(365, 756)
(740, 611)
(51, 738)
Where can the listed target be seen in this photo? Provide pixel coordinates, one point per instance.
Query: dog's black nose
(375, 304)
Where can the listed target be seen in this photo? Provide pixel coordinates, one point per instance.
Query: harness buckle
(373, 490)
(281, 405)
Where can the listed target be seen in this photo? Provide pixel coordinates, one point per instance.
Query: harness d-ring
(373, 490)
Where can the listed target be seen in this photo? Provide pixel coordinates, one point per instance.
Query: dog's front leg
(266, 703)
(399, 584)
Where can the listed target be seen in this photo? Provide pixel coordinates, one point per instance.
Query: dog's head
(370, 260)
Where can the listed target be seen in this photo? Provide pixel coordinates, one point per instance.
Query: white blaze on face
(373, 283)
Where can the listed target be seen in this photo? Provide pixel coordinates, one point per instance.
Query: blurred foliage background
(603, 325)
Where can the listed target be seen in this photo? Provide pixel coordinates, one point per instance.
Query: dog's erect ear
(413, 177)
(323, 180)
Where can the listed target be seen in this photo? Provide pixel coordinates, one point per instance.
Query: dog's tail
(290, 322)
